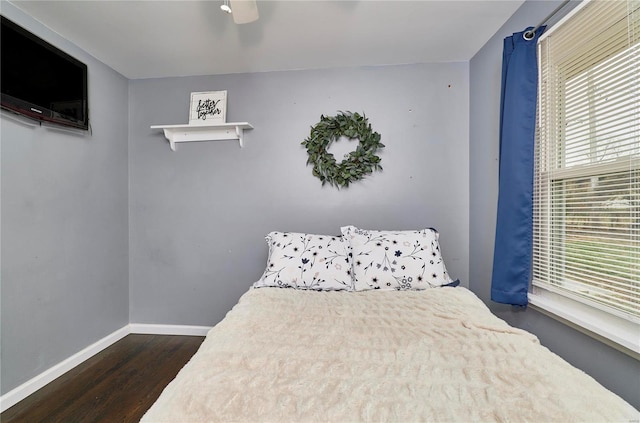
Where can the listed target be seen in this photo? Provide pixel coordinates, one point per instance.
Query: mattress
(434, 355)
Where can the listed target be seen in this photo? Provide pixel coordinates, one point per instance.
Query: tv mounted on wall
(40, 81)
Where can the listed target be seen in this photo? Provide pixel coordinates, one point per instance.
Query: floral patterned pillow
(306, 261)
(399, 260)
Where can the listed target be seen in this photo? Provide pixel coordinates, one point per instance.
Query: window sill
(614, 331)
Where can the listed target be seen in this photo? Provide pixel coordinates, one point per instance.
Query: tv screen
(41, 81)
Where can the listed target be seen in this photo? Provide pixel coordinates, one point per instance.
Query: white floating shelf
(213, 132)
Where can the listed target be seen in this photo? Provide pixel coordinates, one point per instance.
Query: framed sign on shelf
(208, 107)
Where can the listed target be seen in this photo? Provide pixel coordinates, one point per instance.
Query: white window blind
(587, 168)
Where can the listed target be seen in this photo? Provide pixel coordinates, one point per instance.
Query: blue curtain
(514, 225)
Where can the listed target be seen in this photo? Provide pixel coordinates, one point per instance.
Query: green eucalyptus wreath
(356, 164)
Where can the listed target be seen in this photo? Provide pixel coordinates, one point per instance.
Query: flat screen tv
(41, 81)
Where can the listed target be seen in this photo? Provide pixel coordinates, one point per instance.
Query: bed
(305, 344)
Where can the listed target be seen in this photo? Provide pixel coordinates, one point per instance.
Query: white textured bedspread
(438, 355)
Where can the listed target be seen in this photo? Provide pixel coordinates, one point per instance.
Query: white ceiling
(150, 39)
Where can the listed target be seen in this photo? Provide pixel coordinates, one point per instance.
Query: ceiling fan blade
(244, 11)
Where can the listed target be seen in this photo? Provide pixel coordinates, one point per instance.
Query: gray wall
(64, 226)
(198, 216)
(615, 370)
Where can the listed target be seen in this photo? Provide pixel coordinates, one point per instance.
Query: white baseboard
(144, 328)
(32, 385)
(29, 387)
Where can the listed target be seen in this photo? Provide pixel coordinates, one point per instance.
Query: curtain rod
(530, 34)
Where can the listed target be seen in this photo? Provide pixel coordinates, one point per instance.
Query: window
(586, 249)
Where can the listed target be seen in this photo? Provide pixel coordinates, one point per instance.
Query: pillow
(395, 260)
(306, 261)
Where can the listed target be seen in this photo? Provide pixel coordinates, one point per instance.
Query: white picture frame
(208, 107)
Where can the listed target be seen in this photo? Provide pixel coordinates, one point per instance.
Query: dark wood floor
(119, 384)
